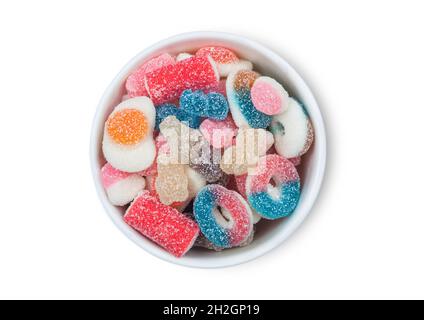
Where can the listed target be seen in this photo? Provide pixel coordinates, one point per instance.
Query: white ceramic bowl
(269, 234)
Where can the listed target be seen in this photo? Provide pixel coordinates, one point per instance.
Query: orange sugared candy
(127, 126)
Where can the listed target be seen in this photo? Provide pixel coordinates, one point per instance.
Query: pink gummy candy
(219, 134)
(167, 83)
(268, 96)
(110, 175)
(164, 225)
(135, 83)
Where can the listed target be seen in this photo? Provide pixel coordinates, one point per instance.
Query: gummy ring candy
(225, 228)
(293, 131)
(273, 202)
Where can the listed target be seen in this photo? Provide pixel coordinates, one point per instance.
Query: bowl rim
(295, 221)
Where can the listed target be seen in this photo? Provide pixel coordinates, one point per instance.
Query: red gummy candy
(135, 83)
(164, 225)
(167, 83)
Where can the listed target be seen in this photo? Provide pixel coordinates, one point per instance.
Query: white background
(365, 62)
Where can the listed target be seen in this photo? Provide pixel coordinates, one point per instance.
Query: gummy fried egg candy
(128, 143)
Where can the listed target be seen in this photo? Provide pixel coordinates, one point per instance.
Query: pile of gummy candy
(202, 148)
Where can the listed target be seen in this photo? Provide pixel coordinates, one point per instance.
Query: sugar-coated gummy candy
(195, 183)
(240, 181)
(128, 143)
(224, 217)
(167, 83)
(250, 144)
(293, 131)
(241, 184)
(135, 84)
(121, 187)
(273, 201)
(199, 158)
(190, 147)
(244, 113)
(206, 160)
(171, 183)
(212, 105)
(269, 96)
(212, 173)
(169, 109)
(162, 224)
(203, 242)
(218, 54)
(151, 186)
(226, 60)
(218, 133)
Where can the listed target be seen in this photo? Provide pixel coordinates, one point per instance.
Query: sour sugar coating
(241, 188)
(241, 184)
(206, 160)
(188, 146)
(169, 109)
(128, 143)
(212, 105)
(121, 187)
(224, 217)
(203, 242)
(269, 200)
(135, 84)
(212, 173)
(167, 83)
(195, 183)
(245, 115)
(250, 144)
(293, 131)
(219, 134)
(151, 187)
(162, 224)
(269, 96)
(171, 183)
(226, 59)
